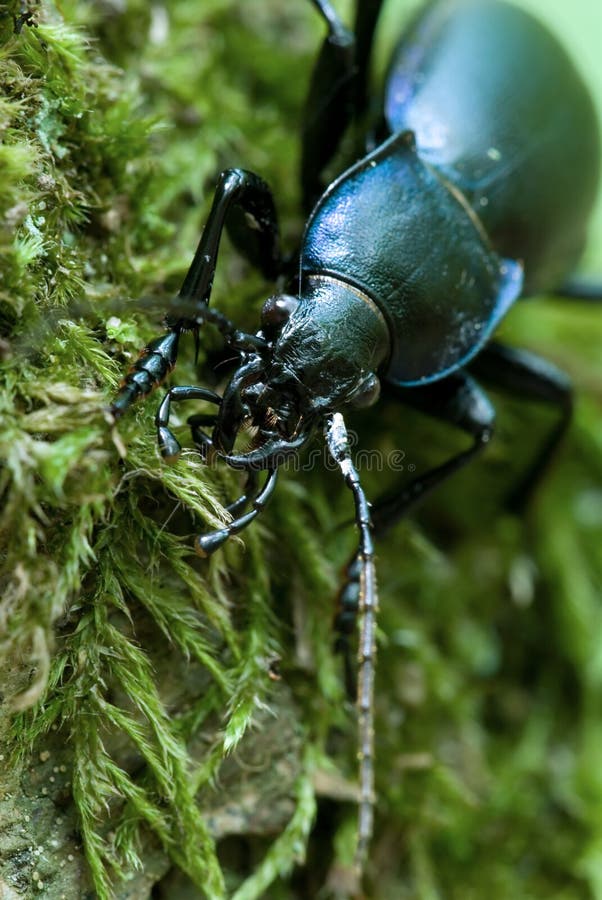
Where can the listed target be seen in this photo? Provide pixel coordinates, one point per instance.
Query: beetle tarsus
(150, 369)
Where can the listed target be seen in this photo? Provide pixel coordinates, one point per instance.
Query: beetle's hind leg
(337, 91)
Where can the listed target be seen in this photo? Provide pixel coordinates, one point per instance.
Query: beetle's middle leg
(458, 400)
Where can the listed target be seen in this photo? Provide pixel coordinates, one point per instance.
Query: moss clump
(132, 672)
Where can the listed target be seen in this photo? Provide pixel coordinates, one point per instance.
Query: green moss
(144, 676)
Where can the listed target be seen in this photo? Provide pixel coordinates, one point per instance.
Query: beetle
(464, 198)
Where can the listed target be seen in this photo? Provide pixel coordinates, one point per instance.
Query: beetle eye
(367, 393)
(276, 311)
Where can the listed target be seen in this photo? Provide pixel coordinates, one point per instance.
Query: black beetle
(473, 189)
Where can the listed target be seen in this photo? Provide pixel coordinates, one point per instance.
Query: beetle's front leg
(238, 340)
(244, 204)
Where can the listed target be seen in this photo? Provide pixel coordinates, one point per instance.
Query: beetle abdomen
(499, 109)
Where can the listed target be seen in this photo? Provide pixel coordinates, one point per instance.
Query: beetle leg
(168, 443)
(457, 399)
(337, 90)
(239, 340)
(242, 203)
(580, 289)
(206, 544)
(329, 104)
(530, 377)
(151, 368)
(338, 445)
(366, 19)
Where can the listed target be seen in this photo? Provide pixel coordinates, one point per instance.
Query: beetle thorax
(326, 346)
(325, 357)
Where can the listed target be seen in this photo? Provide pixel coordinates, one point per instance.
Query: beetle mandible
(464, 198)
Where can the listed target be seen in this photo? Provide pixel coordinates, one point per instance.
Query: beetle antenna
(338, 445)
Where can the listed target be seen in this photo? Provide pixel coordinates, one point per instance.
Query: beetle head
(323, 350)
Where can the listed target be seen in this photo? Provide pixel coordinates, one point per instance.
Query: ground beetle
(472, 189)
